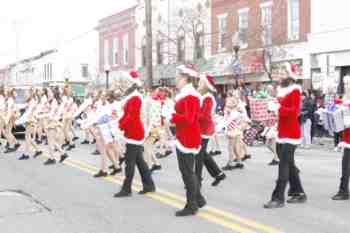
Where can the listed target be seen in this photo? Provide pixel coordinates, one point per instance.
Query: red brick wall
(279, 21)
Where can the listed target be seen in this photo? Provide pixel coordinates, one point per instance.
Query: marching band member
(235, 120)
(29, 119)
(343, 192)
(134, 135)
(152, 122)
(188, 136)
(67, 107)
(84, 110)
(106, 136)
(2, 111)
(54, 130)
(10, 120)
(288, 137)
(206, 88)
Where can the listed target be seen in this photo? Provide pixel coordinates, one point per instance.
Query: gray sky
(46, 24)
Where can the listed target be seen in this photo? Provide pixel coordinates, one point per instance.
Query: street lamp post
(107, 69)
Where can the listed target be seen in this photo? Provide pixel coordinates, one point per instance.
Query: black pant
(203, 158)
(344, 181)
(134, 156)
(187, 168)
(337, 138)
(287, 172)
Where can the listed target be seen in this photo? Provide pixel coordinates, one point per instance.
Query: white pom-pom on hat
(291, 69)
(209, 80)
(188, 69)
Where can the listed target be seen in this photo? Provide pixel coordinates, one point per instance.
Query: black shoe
(273, 163)
(37, 154)
(246, 157)
(50, 162)
(93, 141)
(228, 167)
(147, 190)
(273, 204)
(341, 197)
(201, 203)
(155, 168)
(235, 160)
(84, 142)
(9, 150)
(65, 145)
(238, 166)
(23, 157)
(168, 152)
(115, 171)
(63, 157)
(301, 198)
(121, 160)
(39, 142)
(211, 153)
(70, 147)
(217, 152)
(185, 212)
(122, 194)
(75, 138)
(101, 174)
(218, 179)
(96, 152)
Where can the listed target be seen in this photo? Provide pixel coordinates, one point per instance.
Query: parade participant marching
(188, 136)
(288, 137)
(2, 111)
(134, 135)
(54, 129)
(10, 118)
(66, 113)
(343, 192)
(29, 119)
(206, 88)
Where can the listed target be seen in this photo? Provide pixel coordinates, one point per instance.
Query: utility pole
(149, 43)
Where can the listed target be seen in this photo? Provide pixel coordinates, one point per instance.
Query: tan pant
(67, 124)
(54, 135)
(30, 146)
(148, 153)
(8, 133)
(235, 148)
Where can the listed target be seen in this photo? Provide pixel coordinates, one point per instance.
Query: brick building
(117, 41)
(267, 33)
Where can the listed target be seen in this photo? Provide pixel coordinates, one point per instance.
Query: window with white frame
(115, 51)
(126, 49)
(85, 70)
(293, 19)
(266, 23)
(106, 52)
(222, 30)
(243, 16)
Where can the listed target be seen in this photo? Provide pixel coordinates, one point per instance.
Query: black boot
(122, 193)
(101, 174)
(50, 162)
(185, 212)
(273, 204)
(23, 157)
(343, 193)
(218, 179)
(147, 190)
(38, 153)
(155, 168)
(63, 157)
(297, 199)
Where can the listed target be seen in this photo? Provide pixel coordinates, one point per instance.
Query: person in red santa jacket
(134, 135)
(188, 136)
(343, 193)
(289, 136)
(206, 88)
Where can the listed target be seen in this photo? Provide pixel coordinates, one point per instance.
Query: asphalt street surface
(65, 198)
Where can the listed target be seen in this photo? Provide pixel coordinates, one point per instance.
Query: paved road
(66, 199)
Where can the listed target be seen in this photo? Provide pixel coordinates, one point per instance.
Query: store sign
(279, 70)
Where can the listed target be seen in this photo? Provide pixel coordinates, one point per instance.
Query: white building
(329, 41)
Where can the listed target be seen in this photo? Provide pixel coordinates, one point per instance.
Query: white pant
(306, 132)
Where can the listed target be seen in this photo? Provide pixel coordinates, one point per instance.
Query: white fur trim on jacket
(284, 91)
(186, 91)
(292, 141)
(344, 145)
(133, 142)
(207, 136)
(185, 150)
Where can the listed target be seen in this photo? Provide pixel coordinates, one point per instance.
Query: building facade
(266, 33)
(329, 46)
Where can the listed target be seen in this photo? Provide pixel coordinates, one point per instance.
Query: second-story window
(222, 31)
(293, 19)
(243, 16)
(266, 24)
(126, 49)
(85, 70)
(106, 51)
(115, 51)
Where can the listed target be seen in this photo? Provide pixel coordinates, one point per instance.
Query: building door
(344, 70)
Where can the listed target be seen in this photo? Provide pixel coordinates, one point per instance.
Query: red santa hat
(291, 70)
(133, 77)
(188, 69)
(209, 80)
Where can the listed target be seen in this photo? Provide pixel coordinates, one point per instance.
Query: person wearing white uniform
(10, 118)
